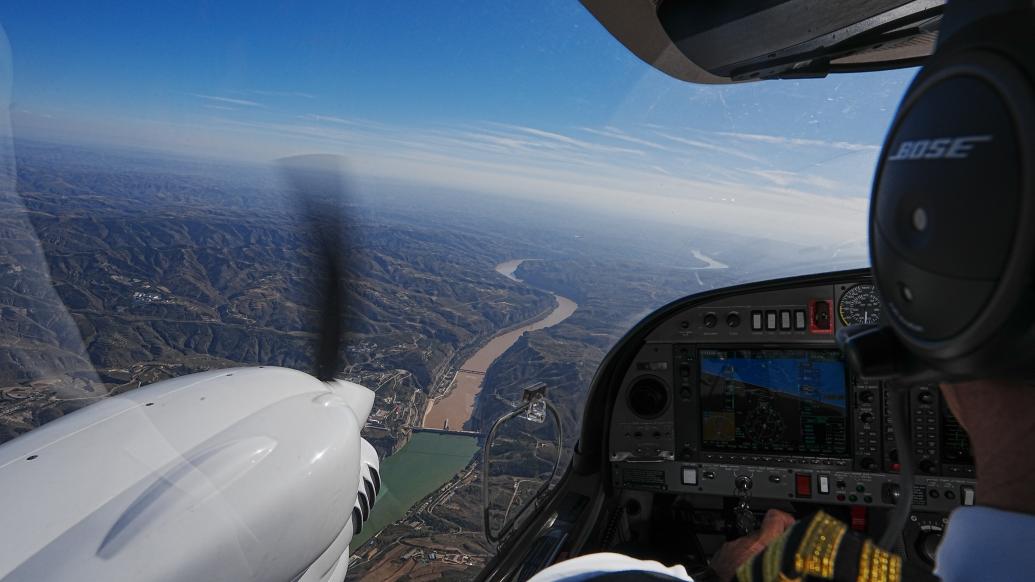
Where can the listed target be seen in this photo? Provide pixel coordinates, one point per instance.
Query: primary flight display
(774, 401)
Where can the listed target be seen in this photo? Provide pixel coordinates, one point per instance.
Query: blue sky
(400, 62)
(521, 98)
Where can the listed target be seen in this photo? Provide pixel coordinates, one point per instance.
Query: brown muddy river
(454, 409)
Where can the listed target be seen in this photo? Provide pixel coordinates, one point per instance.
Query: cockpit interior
(721, 406)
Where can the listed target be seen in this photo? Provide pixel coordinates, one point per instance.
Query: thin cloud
(329, 119)
(780, 140)
(263, 93)
(613, 133)
(787, 178)
(337, 120)
(712, 147)
(230, 100)
(35, 114)
(571, 141)
(553, 136)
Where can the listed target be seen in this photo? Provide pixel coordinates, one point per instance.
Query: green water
(418, 469)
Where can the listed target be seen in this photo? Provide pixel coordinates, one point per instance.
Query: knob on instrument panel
(927, 545)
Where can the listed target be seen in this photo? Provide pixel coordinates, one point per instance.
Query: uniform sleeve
(593, 565)
(982, 543)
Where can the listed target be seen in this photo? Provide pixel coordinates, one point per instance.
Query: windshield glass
(521, 190)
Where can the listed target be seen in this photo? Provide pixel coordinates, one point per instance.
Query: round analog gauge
(860, 304)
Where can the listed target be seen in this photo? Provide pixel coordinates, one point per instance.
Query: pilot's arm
(982, 543)
(819, 547)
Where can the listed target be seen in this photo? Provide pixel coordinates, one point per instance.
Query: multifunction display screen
(774, 401)
(955, 443)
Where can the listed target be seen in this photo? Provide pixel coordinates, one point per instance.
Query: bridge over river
(472, 433)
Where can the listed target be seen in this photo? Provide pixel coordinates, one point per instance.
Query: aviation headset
(952, 216)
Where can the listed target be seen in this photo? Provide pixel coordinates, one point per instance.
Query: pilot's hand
(736, 552)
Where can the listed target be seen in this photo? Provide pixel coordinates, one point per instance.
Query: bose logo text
(949, 148)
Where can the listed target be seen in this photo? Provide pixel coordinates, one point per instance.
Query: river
(454, 409)
(428, 460)
(419, 468)
(709, 263)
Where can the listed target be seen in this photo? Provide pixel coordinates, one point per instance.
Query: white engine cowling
(241, 474)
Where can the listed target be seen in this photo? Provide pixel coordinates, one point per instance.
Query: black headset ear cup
(952, 217)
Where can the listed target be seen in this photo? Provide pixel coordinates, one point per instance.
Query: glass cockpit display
(774, 401)
(955, 444)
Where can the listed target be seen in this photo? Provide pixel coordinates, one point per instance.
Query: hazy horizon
(535, 102)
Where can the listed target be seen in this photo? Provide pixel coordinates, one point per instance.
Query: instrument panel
(747, 388)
